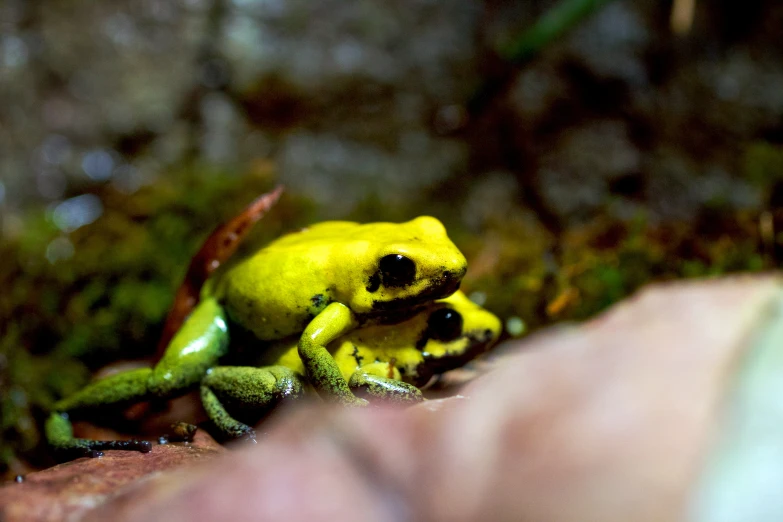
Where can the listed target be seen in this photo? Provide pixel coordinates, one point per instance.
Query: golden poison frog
(367, 307)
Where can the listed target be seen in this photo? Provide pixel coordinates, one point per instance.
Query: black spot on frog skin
(319, 301)
(359, 358)
(374, 283)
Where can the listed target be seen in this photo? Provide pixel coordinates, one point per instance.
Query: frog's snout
(449, 282)
(450, 286)
(478, 343)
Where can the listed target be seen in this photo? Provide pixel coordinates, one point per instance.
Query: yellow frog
(318, 284)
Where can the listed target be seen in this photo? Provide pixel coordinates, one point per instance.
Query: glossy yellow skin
(372, 348)
(273, 293)
(320, 284)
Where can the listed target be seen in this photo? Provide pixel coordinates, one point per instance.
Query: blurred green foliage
(65, 318)
(763, 163)
(526, 274)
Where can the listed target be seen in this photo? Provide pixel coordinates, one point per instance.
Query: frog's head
(457, 331)
(405, 265)
(443, 335)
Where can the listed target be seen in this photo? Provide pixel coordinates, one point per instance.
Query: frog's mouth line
(440, 288)
(479, 342)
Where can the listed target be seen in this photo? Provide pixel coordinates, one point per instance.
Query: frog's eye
(397, 270)
(444, 325)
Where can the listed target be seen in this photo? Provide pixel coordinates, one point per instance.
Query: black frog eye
(444, 325)
(397, 270)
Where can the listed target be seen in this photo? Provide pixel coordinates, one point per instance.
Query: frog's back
(333, 233)
(327, 231)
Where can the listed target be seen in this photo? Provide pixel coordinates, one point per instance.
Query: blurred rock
(69, 490)
(147, 86)
(684, 110)
(358, 87)
(355, 102)
(579, 171)
(91, 80)
(612, 421)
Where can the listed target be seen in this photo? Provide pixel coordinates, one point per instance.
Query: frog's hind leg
(249, 391)
(59, 433)
(197, 347)
(121, 388)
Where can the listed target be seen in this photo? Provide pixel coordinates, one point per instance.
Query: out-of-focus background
(575, 150)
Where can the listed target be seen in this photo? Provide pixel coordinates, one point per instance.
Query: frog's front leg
(382, 381)
(247, 392)
(322, 370)
(196, 348)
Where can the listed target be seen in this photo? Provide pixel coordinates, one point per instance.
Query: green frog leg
(322, 370)
(246, 389)
(201, 341)
(373, 381)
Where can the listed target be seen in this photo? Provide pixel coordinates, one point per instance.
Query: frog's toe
(63, 454)
(79, 448)
(144, 446)
(248, 437)
(384, 389)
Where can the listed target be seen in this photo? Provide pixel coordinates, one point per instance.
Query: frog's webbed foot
(66, 447)
(384, 389)
(249, 391)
